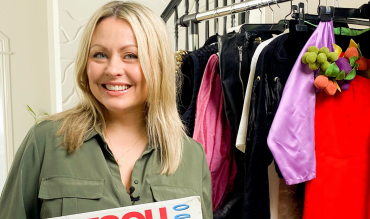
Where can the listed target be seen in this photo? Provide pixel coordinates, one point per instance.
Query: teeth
(116, 87)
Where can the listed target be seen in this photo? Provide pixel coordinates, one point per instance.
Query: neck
(126, 123)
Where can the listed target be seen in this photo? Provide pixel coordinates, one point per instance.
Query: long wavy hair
(163, 123)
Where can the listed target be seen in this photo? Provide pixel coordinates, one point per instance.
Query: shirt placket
(137, 176)
(124, 197)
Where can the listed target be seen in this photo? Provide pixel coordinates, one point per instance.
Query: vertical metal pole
(207, 22)
(247, 15)
(225, 18)
(176, 29)
(187, 28)
(216, 19)
(194, 36)
(195, 28)
(241, 16)
(233, 15)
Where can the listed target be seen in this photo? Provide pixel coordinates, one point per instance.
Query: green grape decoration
(336, 69)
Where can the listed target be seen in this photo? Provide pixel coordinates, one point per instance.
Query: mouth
(116, 87)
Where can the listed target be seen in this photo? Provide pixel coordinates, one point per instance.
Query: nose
(115, 67)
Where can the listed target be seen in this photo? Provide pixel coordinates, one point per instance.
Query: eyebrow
(122, 48)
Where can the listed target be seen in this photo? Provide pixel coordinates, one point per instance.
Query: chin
(124, 108)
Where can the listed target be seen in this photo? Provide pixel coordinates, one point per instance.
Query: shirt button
(136, 182)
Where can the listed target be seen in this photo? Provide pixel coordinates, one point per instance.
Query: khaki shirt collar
(98, 131)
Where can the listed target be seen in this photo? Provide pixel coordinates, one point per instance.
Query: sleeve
(206, 191)
(19, 196)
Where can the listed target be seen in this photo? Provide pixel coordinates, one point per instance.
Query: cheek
(93, 77)
(93, 73)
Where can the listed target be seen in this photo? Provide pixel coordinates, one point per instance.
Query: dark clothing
(234, 78)
(187, 85)
(236, 53)
(362, 39)
(273, 68)
(272, 71)
(193, 69)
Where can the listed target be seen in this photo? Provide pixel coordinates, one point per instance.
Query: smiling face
(113, 68)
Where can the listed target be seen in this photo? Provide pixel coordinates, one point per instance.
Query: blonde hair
(164, 126)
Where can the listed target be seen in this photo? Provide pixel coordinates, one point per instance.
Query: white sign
(172, 209)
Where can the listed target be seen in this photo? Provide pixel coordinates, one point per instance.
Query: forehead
(113, 31)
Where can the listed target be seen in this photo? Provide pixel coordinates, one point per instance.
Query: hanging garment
(273, 67)
(236, 52)
(359, 36)
(291, 199)
(242, 132)
(193, 69)
(257, 156)
(186, 87)
(291, 137)
(341, 189)
(213, 132)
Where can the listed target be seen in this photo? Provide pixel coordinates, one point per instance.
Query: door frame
(6, 104)
(54, 57)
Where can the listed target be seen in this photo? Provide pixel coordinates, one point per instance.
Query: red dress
(342, 137)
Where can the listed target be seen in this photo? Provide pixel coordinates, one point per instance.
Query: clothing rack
(192, 20)
(226, 10)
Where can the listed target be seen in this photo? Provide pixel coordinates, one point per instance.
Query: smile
(116, 87)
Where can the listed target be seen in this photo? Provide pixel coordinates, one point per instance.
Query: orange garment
(341, 189)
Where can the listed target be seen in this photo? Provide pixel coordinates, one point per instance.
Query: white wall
(25, 24)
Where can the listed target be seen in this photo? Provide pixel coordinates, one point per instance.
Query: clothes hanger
(291, 11)
(215, 20)
(342, 15)
(301, 27)
(272, 28)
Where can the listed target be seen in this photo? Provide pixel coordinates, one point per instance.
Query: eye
(131, 56)
(99, 55)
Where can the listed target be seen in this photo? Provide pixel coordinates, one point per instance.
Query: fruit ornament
(337, 69)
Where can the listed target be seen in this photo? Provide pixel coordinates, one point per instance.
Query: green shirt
(45, 181)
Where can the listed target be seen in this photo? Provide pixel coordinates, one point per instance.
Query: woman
(124, 143)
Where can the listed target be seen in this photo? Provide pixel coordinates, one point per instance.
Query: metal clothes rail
(227, 10)
(192, 20)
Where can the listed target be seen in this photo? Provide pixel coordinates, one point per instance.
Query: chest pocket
(66, 195)
(163, 193)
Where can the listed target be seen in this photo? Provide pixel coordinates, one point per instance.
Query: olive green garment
(45, 181)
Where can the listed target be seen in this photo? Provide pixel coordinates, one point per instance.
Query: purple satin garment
(292, 135)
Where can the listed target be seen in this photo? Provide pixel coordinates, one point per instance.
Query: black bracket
(301, 27)
(328, 13)
(325, 13)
